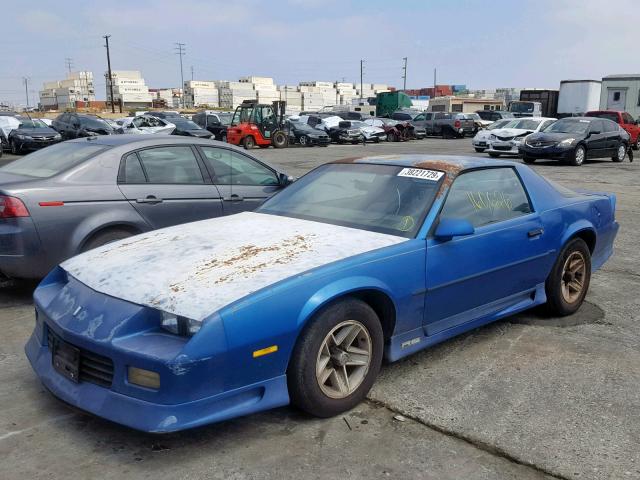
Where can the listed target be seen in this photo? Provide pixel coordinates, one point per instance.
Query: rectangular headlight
(143, 378)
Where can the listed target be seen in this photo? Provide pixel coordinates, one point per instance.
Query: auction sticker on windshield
(432, 175)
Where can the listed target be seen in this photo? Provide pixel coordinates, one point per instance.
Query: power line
(69, 63)
(110, 79)
(180, 50)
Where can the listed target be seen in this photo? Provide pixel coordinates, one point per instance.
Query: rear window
(608, 115)
(53, 160)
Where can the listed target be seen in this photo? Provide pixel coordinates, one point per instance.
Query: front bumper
(198, 385)
(154, 417)
(33, 143)
(552, 152)
(320, 140)
(503, 148)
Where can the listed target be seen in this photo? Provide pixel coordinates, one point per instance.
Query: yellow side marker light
(265, 351)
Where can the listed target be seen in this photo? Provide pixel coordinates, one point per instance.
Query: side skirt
(407, 343)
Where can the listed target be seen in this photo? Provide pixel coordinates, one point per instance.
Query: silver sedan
(83, 193)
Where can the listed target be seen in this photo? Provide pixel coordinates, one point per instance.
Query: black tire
(223, 138)
(105, 237)
(248, 142)
(621, 153)
(392, 137)
(15, 150)
(636, 145)
(494, 155)
(304, 388)
(479, 149)
(279, 139)
(556, 303)
(528, 159)
(304, 141)
(578, 159)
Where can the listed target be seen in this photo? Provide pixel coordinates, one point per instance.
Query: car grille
(540, 144)
(94, 368)
(502, 147)
(504, 139)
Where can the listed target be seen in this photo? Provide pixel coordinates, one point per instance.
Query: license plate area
(65, 359)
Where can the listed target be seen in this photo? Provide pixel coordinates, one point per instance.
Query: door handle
(535, 233)
(152, 199)
(233, 198)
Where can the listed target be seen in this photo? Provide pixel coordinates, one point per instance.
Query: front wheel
(636, 145)
(621, 152)
(279, 139)
(494, 155)
(528, 159)
(248, 142)
(337, 359)
(223, 138)
(304, 140)
(569, 279)
(15, 150)
(579, 154)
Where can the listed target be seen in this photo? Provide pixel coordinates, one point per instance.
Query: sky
(480, 43)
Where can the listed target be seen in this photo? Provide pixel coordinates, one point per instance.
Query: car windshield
(379, 198)
(521, 107)
(32, 123)
(499, 124)
(52, 160)
(184, 124)
(358, 124)
(225, 118)
(92, 122)
(608, 115)
(473, 116)
(568, 126)
(525, 124)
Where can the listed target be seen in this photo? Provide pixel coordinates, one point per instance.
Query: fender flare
(577, 227)
(338, 289)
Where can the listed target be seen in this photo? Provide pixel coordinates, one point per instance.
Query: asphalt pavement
(525, 398)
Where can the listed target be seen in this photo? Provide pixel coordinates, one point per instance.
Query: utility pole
(180, 51)
(69, 63)
(434, 81)
(361, 69)
(404, 74)
(26, 88)
(110, 79)
(192, 72)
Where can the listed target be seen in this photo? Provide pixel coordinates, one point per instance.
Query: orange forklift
(258, 124)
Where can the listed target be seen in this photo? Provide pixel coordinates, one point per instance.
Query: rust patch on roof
(348, 160)
(451, 172)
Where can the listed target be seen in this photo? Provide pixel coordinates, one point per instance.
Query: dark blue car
(300, 301)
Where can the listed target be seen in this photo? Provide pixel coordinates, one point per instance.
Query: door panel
(497, 266)
(243, 182)
(597, 144)
(167, 187)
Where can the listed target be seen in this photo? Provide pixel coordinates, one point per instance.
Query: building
(63, 94)
(129, 90)
(199, 93)
(621, 92)
(463, 104)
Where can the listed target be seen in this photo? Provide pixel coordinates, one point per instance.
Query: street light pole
(110, 79)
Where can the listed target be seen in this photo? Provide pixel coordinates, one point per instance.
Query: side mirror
(284, 179)
(453, 227)
(594, 132)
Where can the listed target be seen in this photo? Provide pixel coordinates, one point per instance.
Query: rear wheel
(479, 150)
(248, 142)
(223, 138)
(279, 139)
(392, 137)
(636, 145)
(579, 155)
(304, 140)
(621, 152)
(336, 359)
(108, 236)
(528, 159)
(569, 279)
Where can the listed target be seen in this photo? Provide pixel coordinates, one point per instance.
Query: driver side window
(486, 196)
(231, 168)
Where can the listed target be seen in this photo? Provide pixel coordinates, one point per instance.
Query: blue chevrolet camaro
(300, 301)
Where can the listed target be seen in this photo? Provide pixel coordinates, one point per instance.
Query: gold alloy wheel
(344, 359)
(573, 277)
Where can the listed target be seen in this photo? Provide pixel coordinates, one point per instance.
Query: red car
(625, 120)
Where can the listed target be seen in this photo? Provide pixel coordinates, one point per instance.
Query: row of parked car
(598, 134)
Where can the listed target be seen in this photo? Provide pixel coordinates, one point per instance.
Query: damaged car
(145, 124)
(31, 134)
(480, 141)
(305, 135)
(355, 131)
(396, 130)
(300, 302)
(508, 139)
